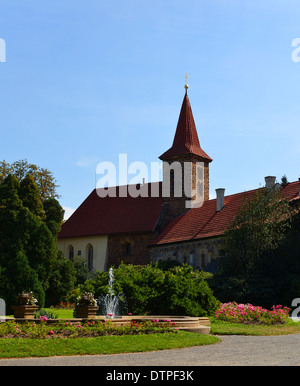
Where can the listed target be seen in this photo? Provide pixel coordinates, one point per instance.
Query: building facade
(180, 223)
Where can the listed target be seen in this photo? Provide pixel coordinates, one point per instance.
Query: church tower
(185, 166)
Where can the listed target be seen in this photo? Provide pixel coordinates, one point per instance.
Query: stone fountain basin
(199, 325)
(187, 323)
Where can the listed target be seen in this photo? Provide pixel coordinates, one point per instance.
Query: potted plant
(26, 306)
(86, 306)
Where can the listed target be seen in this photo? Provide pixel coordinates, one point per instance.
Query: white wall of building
(81, 246)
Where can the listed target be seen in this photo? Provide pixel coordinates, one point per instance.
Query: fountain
(110, 303)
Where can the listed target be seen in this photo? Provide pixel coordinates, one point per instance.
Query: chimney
(220, 198)
(270, 182)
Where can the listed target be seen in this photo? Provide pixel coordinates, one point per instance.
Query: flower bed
(249, 314)
(89, 328)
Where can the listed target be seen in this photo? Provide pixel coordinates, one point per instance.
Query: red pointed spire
(186, 138)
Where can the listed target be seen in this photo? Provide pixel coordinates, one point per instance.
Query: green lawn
(21, 348)
(61, 313)
(226, 328)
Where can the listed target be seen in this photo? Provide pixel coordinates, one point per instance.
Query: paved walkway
(232, 351)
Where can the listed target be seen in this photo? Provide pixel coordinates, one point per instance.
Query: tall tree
(257, 259)
(29, 256)
(54, 215)
(43, 178)
(31, 197)
(261, 225)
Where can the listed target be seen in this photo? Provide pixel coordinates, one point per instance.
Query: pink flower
(51, 332)
(130, 313)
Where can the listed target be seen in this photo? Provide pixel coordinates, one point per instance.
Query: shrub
(249, 314)
(184, 292)
(151, 290)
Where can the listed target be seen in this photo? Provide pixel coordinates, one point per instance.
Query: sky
(83, 82)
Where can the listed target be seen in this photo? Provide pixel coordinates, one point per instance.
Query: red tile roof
(186, 139)
(205, 221)
(108, 215)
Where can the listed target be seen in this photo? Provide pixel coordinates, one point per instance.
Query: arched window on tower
(172, 182)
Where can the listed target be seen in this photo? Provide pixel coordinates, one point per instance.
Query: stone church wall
(130, 248)
(197, 253)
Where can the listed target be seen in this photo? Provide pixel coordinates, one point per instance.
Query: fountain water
(110, 303)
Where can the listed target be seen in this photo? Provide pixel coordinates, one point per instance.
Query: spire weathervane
(186, 86)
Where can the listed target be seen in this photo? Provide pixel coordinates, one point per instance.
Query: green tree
(255, 261)
(29, 256)
(261, 225)
(22, 277)
(61, 282)
(43, 178)
(16, 224)
(54, 215)
(31, 197)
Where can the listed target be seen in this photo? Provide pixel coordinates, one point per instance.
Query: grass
(21, 348)
(61, 313)
(227, 328)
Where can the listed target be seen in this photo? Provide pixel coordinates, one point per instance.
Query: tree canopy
(29, 257)
(260, 261)
(260, 225)
(43, 178)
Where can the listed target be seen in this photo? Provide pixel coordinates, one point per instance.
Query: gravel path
(234, 350)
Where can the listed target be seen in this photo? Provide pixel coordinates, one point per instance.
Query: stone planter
(25, 311)
(86, 312)
(25, 298)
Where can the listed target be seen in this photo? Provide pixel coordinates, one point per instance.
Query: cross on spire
(186, 85)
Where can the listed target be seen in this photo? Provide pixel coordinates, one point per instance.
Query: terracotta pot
(86, 312)
(24, 311)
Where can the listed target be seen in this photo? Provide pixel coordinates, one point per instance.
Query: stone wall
(179, 203)
(198, 253)
(129, 248)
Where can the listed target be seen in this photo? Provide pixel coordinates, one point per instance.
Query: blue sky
(86, 81)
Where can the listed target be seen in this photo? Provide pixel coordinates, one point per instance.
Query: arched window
(172, 182)
(90, 257)
(203, 260)
(70, 252)
(126, 249)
